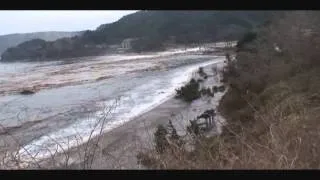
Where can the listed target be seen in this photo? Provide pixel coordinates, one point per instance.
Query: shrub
(215, 89)
(189, 92)
(206, 91)
(202, 73)
(221, 88)
(218, 88)
(246, 39)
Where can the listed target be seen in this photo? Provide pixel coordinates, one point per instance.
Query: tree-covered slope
(11, 40)
(151, 28)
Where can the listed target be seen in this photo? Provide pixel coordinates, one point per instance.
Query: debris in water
(27, 92)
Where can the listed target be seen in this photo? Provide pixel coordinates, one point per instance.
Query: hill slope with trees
(11, 40)
(152, 29)
(271, 106)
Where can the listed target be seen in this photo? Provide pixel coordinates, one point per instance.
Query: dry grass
(272, 106)
(283, 134)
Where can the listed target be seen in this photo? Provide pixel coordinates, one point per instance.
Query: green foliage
(246, 39)
(207, 91)
(148, 44)
(216, 89)
(221, 88)
(189, 92)
(202, 73)
(153, 29)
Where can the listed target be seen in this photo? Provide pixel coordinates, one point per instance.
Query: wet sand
(117, 149)
(121, 145)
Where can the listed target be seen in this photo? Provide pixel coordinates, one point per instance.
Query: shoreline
(118, 147)
(17, 86)
(122, 143)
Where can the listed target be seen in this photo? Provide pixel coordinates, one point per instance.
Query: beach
(147, 100)
(118, 148)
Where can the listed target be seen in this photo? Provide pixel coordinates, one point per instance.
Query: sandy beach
(117, 149)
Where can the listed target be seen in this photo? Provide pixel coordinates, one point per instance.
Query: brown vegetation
(271, 107)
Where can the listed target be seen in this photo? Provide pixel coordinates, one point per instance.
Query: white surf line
(39, 152)
(170, 52)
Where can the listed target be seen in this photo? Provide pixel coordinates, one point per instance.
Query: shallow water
(76, 100)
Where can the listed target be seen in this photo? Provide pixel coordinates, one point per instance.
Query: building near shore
(127, 43)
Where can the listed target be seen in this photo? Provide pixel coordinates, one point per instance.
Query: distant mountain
(151, 30)
(11, 40)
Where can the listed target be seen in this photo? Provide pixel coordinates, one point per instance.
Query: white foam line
(116, 58)
(67, 137)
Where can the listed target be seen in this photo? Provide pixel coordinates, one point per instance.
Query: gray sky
(36, 21)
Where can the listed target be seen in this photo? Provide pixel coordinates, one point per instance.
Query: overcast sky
(36, 21)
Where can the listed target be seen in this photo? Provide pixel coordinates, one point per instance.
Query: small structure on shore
(208, 116)
(204, 122)
(126, 43)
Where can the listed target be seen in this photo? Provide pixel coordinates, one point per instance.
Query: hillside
(11, 40)
(271, 106)
(151, 29)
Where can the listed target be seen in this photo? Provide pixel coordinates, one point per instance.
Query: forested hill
(151, 29)
(186, 26)
(11, 40)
